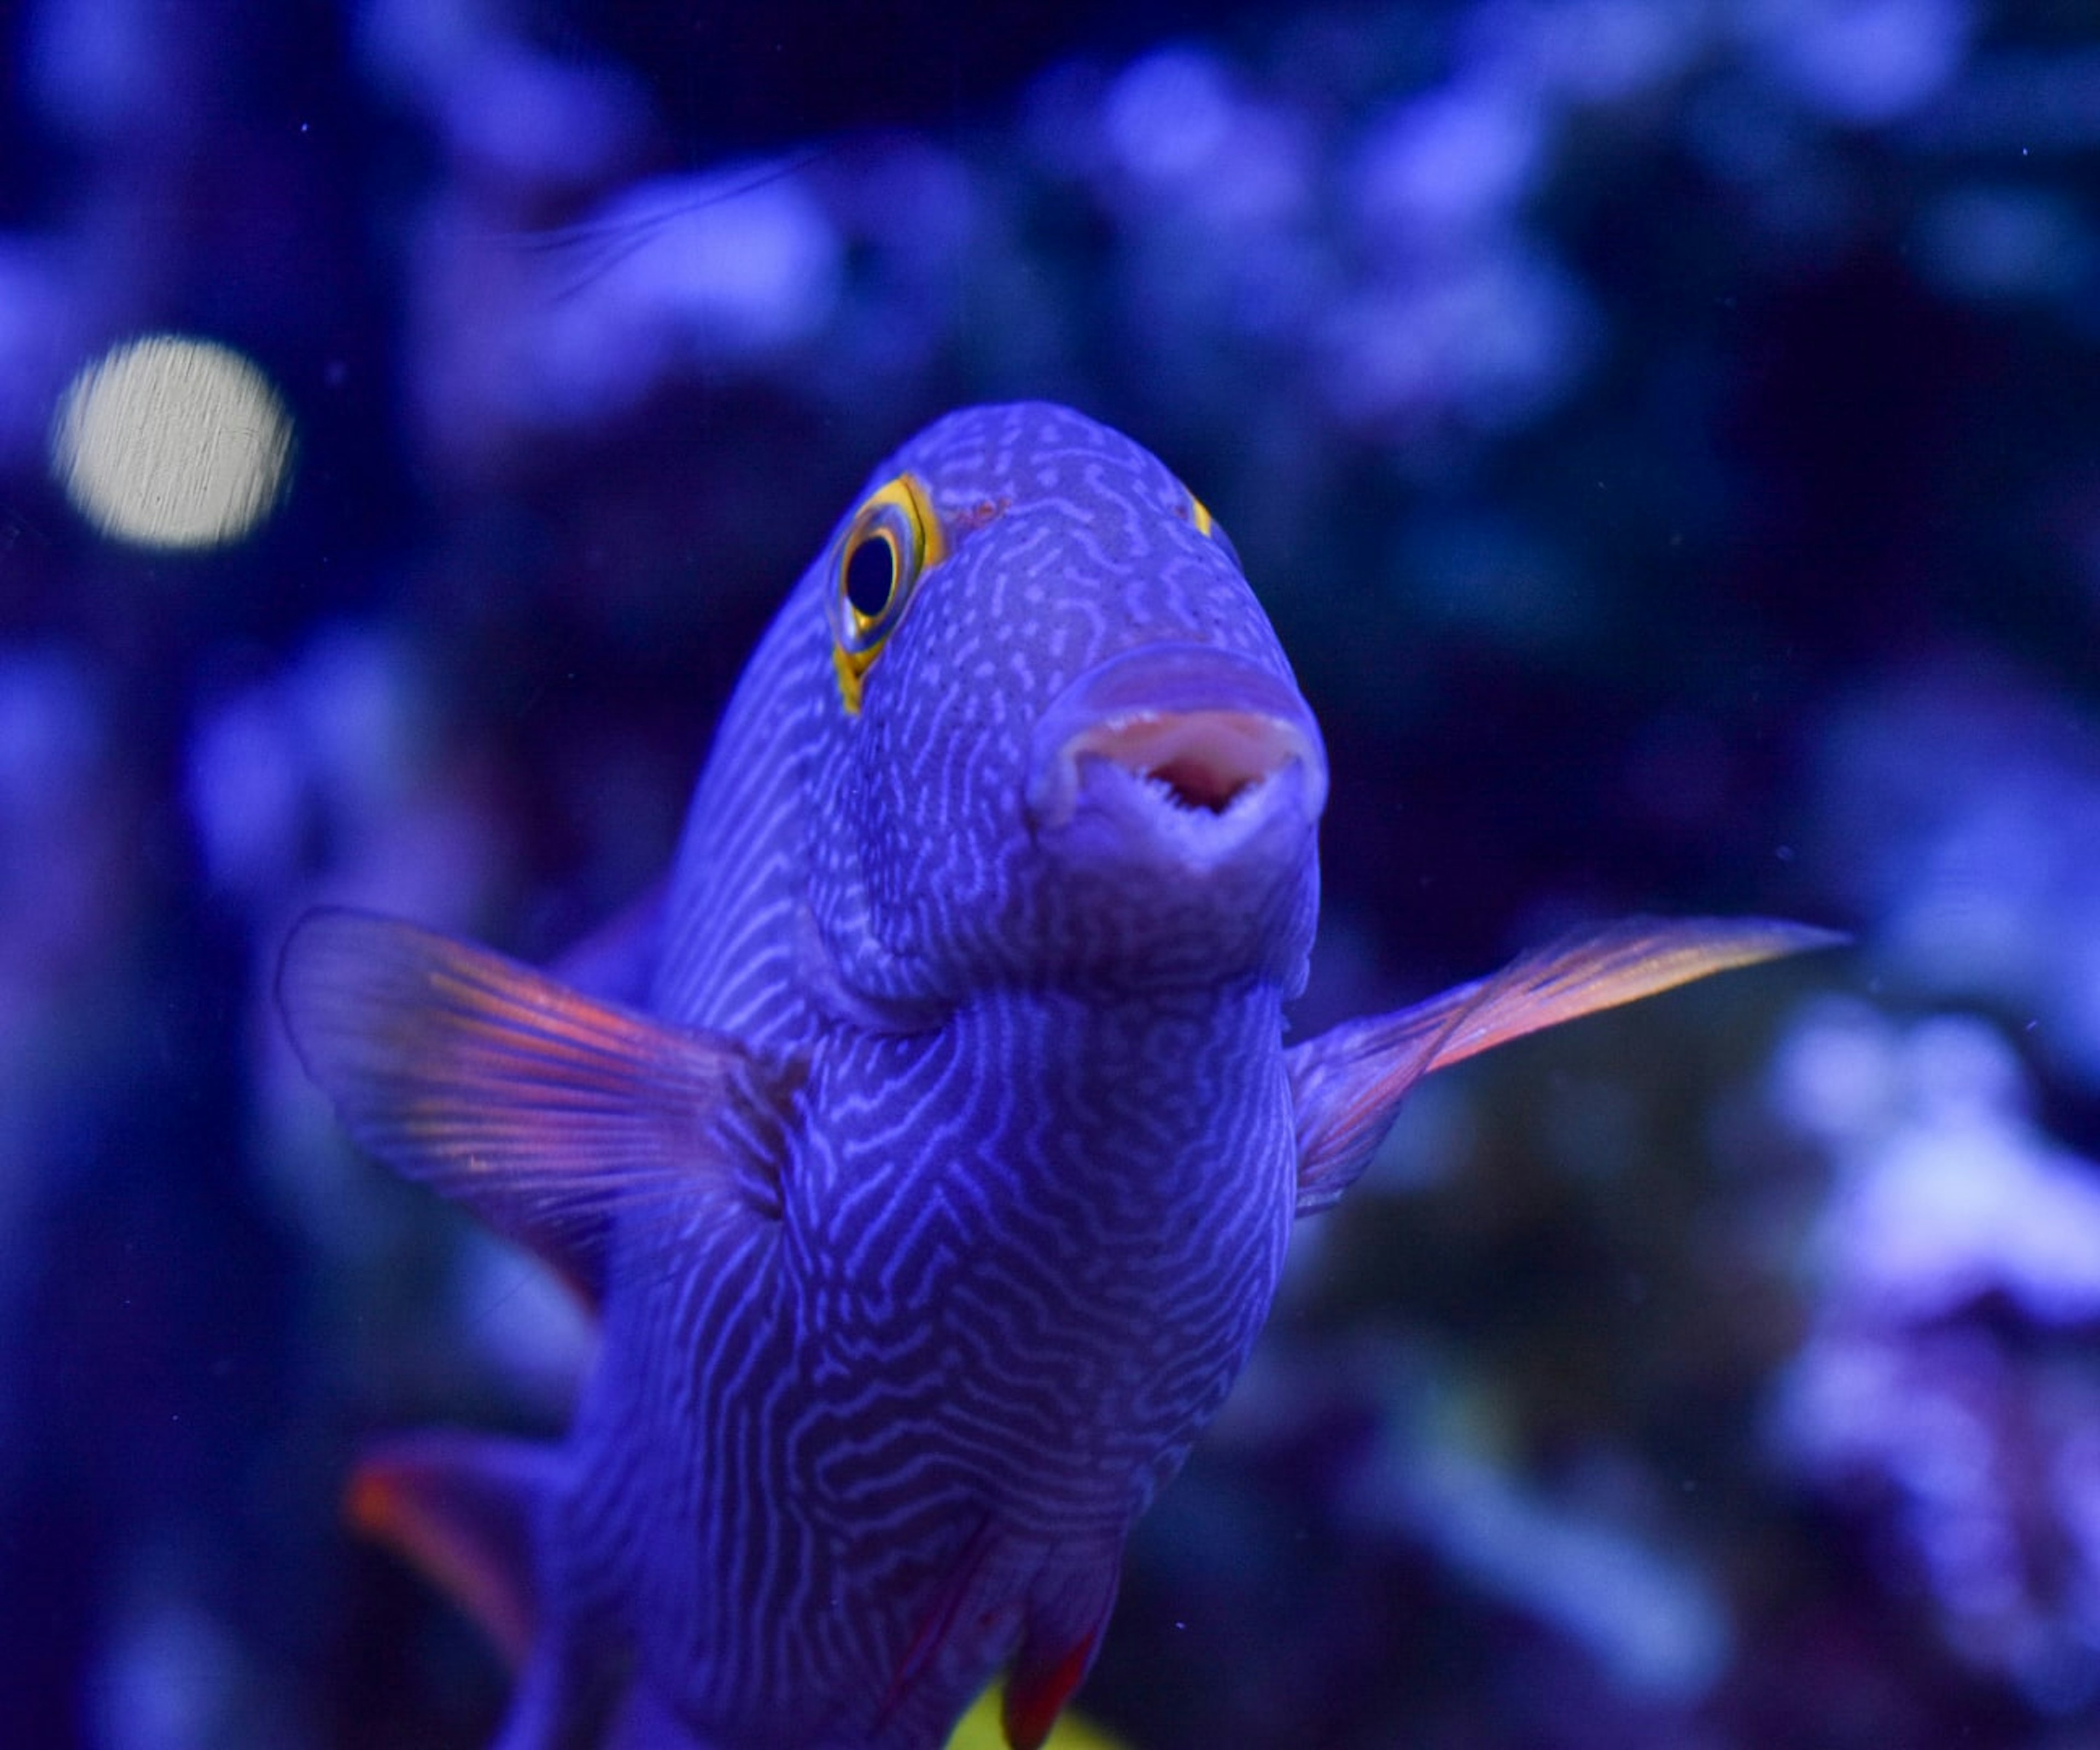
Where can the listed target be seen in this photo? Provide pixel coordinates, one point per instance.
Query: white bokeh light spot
(171, 442)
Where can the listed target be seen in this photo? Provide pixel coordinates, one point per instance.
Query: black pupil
(871, 576)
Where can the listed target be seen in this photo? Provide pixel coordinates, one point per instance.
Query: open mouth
(1202, 761)
(1202, 731)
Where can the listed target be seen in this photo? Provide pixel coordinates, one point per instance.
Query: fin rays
(1347, 1084)
(540, 1109)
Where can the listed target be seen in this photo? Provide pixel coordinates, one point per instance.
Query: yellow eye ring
(889, 544)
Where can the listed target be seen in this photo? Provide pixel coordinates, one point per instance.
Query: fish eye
(890, 542)
(872, 569)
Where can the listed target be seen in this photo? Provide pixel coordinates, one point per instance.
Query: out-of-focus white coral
(1947, 1191)
(1958, 1250)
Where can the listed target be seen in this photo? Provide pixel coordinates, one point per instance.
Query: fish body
(934, 1182)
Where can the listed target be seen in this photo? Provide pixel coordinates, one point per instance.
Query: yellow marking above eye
(893, 540)
(1198, 515)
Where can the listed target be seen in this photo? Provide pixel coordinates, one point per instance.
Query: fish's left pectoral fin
(1347, 1086)
(543, 1111)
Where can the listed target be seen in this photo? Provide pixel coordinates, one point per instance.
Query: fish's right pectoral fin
(542, 1110)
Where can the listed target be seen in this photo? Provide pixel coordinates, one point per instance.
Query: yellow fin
(979, 1730)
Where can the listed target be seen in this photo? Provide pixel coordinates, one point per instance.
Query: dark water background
(1667, 437)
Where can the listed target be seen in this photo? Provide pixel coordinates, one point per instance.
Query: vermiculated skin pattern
(1024, 1256)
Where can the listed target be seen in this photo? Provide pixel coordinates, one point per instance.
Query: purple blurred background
(1667, 437)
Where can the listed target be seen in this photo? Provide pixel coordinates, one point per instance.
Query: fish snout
(1179, 747)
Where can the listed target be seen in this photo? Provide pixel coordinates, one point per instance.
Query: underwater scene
(1662, 439)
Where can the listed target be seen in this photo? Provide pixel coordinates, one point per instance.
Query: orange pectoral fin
(1347, 1084)
(540, 1109)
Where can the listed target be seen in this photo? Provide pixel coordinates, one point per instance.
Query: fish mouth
(1180, 741)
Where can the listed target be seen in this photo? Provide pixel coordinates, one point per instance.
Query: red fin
(539, 1108)
(461, 1507)
(1033, 1703)
(1347, 1084)
(1064, 1626)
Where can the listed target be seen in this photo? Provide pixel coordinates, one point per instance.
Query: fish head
(1066, 749)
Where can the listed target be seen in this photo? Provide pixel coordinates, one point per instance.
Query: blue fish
(931, 1167)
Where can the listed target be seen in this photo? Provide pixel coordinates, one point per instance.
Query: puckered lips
(1176, 748)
